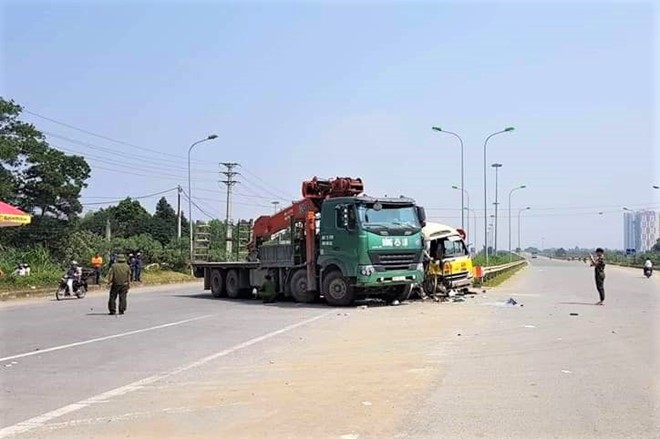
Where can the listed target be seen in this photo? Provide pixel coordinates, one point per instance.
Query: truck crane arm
(314, 191)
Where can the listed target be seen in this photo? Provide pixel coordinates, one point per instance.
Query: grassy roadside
(493, 260)
(44, 286)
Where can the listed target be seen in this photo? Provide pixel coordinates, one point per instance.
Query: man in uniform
(268, 291)
(599, 271)
(119, 280)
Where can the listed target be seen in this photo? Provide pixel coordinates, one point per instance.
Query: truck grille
(394, 261)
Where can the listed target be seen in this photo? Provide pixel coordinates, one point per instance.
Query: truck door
(339, 238)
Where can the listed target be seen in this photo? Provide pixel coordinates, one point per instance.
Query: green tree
(39, 179)
(560, 253)
(164, 222)
(129, 218)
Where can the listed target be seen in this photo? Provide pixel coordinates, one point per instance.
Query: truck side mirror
(421, 215)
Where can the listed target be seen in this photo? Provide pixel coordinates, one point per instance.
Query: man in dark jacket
(119, 280)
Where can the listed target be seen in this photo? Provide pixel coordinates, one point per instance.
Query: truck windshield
(389, 215)
(455, 248)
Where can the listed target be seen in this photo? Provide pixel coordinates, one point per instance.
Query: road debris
(566, 371)
(574, 314)
(529, 326)
(367, 403)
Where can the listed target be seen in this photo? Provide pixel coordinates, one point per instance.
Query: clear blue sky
(302, 89)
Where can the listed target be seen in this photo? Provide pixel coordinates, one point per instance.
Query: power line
(166, 162)
(100, 136)
(266, 183)
(140, 197)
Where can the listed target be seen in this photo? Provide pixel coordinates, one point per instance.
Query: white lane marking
(94, 340)
(39, 421)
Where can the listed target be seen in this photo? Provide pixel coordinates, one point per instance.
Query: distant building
(641, 230)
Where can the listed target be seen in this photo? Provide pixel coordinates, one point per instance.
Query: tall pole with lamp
(190, 219)
(522, 186)
(505, 130)
(462, 169)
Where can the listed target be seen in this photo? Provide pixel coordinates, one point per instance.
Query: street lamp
(505, 130)
(275, 204)
(190, 218)
(522, 186)
(467, 195)
(440, 130)
(497, 166)
(474, 219)
(519, 212)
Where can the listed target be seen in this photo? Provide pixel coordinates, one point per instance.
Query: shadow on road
(289, 303)
(577, 303)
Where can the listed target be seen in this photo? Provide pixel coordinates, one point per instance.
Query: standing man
(97, 263)
(131, 264)
(599, 271)
(119, 280)
(137, 277)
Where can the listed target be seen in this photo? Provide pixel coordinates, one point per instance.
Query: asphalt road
(181, 364)
(538, 371)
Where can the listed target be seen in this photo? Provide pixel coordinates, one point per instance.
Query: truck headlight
(419, 267)
(367, 270)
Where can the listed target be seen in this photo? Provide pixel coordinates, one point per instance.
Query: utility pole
(108, 230)
(497, 166)
(229, 182)
(178, 212)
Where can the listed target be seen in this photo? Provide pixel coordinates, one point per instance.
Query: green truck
(334, 243)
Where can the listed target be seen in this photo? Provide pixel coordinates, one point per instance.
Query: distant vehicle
(535, 255)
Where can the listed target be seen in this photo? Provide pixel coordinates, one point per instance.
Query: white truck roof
(433, 231)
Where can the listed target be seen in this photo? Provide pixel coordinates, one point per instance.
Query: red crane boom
(314, 191)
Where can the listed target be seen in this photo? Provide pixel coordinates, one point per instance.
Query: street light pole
(519, 211)
(497, 167)
(505, 130)
(190, 219)
(462, 169)
(522, 186)
(467, 196)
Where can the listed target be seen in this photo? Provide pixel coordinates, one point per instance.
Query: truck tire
(400, 293)
(217, 285)
(232, 284)
(337, 289)
(298, 287)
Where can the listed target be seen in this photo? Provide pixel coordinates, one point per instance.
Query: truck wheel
(217, 286)
(400, 293)
(298, 287)
(232, 284)
(337, 290)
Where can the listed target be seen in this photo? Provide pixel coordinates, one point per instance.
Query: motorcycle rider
(648, 266)
(73, 275)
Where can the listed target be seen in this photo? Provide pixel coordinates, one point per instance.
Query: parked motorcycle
(79, 287)
(648, 272)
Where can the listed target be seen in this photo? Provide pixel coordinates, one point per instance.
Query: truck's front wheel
(217, 287)
(298, 287)
(337, 289)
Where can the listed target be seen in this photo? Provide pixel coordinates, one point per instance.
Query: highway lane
(422, 370)
(162, 329)
(538, 371)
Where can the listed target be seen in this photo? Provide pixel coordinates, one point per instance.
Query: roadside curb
(6, 296)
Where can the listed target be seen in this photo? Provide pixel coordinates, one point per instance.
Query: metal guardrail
(498, 268)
